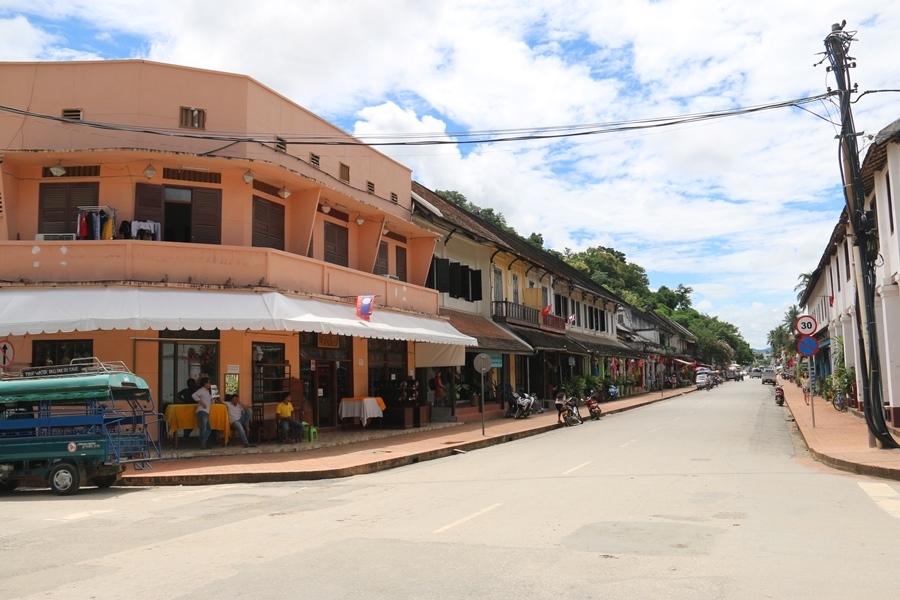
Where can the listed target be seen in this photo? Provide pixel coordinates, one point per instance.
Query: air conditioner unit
(53, 237)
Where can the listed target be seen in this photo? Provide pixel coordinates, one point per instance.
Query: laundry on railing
(146, 230)
(96, 223)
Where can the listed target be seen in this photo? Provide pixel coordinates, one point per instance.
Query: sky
(734, 208)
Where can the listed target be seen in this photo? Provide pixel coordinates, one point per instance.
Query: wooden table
(184, 416)
(364, 407)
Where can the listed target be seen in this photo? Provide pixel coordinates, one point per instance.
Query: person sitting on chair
(239, 417)
(284, 415)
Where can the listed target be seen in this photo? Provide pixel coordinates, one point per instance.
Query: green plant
(574, 387)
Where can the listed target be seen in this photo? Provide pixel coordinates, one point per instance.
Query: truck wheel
(8, 486)
(64, 479)
(105, 481)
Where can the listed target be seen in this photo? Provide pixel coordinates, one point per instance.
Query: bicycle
(838, 402)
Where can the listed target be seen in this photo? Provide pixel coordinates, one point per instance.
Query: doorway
(325, 383)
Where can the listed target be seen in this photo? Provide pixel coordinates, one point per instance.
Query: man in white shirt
(239, 417)
(203, 397)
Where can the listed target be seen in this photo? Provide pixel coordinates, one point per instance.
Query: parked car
(755, 372)
(701, 380)
(768, 375)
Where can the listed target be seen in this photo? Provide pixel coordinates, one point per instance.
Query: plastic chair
(310, 433)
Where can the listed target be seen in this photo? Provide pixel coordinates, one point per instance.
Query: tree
(803, 282)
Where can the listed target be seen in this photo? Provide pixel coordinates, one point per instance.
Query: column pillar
(889, 346)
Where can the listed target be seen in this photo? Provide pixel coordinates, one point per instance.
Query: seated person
(284, 417)
(239, 417)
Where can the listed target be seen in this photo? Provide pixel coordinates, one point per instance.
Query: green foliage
(574, 387)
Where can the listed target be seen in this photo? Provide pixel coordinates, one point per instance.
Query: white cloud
(735, 208)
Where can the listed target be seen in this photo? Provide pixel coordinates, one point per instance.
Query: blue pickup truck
(77, 424)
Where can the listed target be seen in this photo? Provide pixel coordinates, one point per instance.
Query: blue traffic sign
(807, 345)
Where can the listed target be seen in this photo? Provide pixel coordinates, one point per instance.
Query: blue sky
(734, 208)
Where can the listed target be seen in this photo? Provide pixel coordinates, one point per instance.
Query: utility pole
(862, 226)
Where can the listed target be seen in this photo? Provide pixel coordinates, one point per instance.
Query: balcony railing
(180, 264)
(509, 312)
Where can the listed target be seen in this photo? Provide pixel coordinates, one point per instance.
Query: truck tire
(64, 479)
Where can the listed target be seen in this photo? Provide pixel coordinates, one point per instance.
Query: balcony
(518, 314)
(134, 261)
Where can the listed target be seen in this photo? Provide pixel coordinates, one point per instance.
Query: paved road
(709, 495)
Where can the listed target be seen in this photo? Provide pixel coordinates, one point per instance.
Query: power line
(441, 138)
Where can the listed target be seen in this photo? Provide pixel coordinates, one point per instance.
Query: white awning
(52, 310)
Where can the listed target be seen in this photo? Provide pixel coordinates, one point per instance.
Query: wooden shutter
(148, 202)
(381, 261)
(475, 285)
(206, 216)
(268, 224)
(464, 284)
(337, 249)
(442, 274)
(58, 205)
(401, 263)
(454, 279)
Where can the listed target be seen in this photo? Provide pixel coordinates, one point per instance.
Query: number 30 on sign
(806, 325)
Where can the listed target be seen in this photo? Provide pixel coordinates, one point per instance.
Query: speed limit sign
(806, 325)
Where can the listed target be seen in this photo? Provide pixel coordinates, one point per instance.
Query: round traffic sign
(806, 325)
(7, 353)
(482, 363)
(807, 346)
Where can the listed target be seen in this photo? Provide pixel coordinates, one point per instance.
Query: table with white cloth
(184, 416)
(364, 408)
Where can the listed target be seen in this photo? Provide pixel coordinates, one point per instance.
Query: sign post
(808, 346)
(482, 363)
(7, 354)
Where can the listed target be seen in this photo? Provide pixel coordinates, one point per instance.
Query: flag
(830, 300)
(571, 319)
(545, 311)
(364, 306)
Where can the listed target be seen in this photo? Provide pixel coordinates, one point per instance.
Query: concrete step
(468, 414)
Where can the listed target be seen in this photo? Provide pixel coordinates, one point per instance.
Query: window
(193, 118)
(47, 353)
(73, 114)
(336, 246)
(578, 314)
(344, 172)
(837, 267)
(58, 205)
(515, 288)
(498, 285)
(370, 187)
(381, 261)
(186, 214)
(393, 197)
(280, 144)
(401, 263)
(847, 260)
(314, 160)
(268, 224)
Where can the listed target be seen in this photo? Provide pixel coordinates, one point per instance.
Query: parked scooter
(612, 392)
(779, 395)
(525, 405)
(593, 407)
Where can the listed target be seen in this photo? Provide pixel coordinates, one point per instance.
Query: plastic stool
(310, 433)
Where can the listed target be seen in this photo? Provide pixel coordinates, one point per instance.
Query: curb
(361, 469)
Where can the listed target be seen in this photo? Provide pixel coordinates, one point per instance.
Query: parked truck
(768, 375)
(77, 424)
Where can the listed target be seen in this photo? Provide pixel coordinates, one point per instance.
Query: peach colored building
(194, 222)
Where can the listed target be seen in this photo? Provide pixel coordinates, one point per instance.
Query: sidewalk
(839, 440)
(342, 454)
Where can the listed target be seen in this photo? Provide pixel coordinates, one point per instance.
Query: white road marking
(884, 496)
(470, 517)
(677, 419)
(80, 515)
(655, 430)
(576, 468)
(626, 443)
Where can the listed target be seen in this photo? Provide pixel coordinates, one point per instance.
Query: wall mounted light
(149, 171)
(248, 177)
(58, 170)
(326, 209)
(360, 220)
(284, 192)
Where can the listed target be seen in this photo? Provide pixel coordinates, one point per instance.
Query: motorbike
(525, 405)
(612, 392)
(709, 383)
(779, 395)
(593, 407)
(571, 415)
